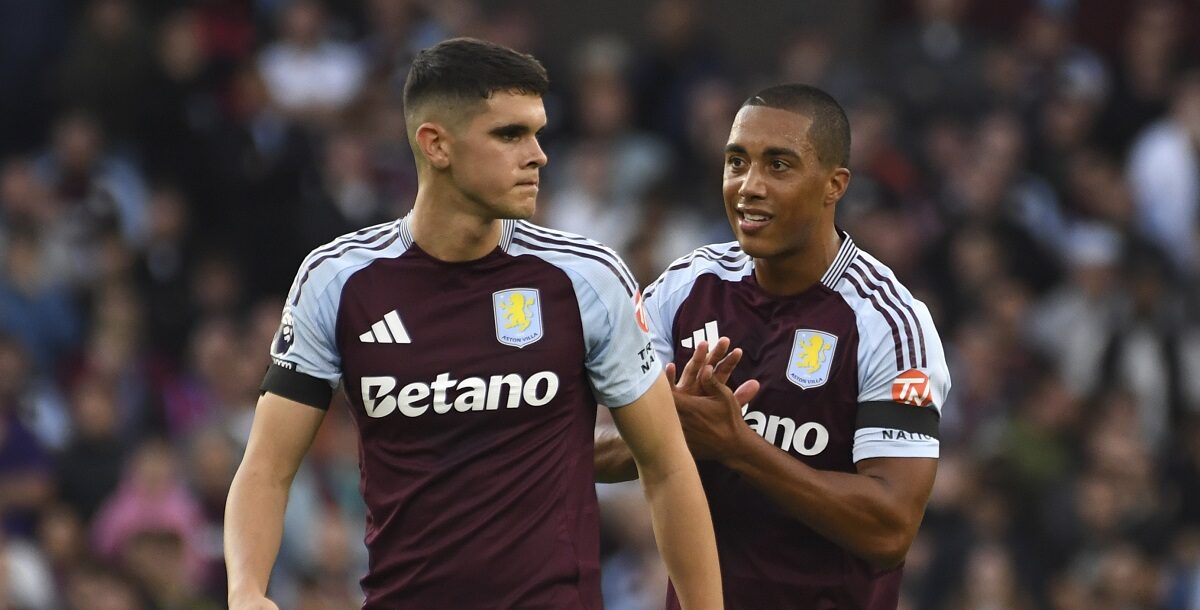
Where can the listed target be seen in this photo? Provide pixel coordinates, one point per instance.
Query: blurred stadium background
(1031, 168)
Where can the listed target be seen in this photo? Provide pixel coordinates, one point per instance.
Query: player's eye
(735, 162)
(510, 134)
(779, 165)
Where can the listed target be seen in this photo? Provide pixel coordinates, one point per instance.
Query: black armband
(294, 385)
(898, 416)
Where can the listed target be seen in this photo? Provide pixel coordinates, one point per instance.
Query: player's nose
(754, 184)
(537, 156)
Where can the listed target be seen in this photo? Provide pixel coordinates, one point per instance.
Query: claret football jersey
(474, 388)
(850, 369)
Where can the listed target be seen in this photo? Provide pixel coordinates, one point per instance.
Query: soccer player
(817, 486)
(473, 348)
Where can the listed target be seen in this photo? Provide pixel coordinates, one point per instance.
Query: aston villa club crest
(518, 314)
(811, 359)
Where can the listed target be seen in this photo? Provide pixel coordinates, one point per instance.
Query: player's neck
(448, 233)
(799, 271)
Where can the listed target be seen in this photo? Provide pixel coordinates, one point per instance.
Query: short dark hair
(830, 129)
(471, 69)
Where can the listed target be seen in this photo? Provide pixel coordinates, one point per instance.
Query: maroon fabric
(478, 509)
(770, 559)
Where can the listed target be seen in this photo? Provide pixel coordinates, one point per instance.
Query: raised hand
(720, 360)
(711, 413)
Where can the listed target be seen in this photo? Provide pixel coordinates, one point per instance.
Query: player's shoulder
(351, 251)
(869, 282)
(529, 231)
(890, 319)
(578, 256)
(725, 260)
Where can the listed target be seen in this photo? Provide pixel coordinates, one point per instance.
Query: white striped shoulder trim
(846, 254)
(373, 238)
(536, 238)
(876, 284)
(726, 260)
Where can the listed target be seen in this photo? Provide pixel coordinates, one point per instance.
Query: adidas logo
(388, 330)
(708, 333)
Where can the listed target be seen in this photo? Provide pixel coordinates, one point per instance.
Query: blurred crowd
(1031, 169)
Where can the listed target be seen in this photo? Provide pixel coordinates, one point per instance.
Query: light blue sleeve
(922, 386)
(660, 313)
(665, 296)
(305, 340)
(620, 361)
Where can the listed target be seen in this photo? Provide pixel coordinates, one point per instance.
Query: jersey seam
(581, 245)
(337, 305)
(335, 275)
(607, 313)
(671, 292)
(859, 323)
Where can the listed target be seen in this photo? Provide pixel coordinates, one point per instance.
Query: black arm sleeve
(297, 386)
(897, 416)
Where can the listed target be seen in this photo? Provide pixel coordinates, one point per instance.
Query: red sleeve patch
(912, 387)
(639, 312)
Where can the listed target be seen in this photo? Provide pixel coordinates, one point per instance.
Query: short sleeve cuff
(886, 443)
(634, 392)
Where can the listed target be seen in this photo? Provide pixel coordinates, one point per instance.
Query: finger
(725, 367)
(691, 370)
(717, 351)
(669, 370)
(746, 392)
(713, 390)
(709, 385)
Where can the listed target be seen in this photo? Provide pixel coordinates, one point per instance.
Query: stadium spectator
(309, 74)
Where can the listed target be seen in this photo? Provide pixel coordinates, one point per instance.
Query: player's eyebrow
(779, 151)
(773, 151)
(512, 129)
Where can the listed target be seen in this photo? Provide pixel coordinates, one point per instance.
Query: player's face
(777, 192)
(496, 156)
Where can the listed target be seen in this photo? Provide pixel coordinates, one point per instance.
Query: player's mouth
(752, 220)
(528, 184)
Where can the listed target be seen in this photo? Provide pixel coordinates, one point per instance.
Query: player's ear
(838, 182)
(434, 142)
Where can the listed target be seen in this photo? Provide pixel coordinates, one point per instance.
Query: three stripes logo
(709, 333)
(388, 330)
